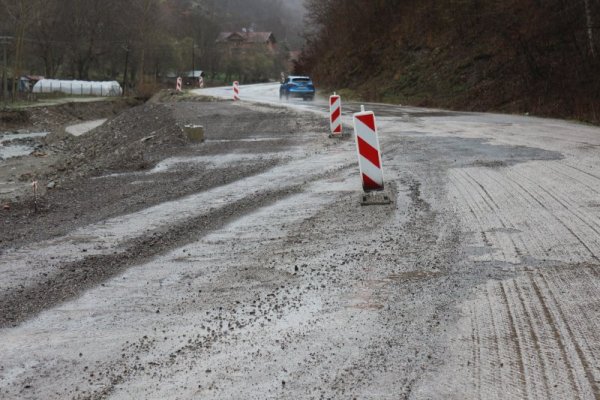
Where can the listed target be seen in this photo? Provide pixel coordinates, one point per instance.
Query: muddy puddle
(18, 144)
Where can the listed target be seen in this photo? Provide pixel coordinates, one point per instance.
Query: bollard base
(340, 135)
(375, 199)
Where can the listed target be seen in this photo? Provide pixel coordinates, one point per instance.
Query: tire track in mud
(532, 244)
(23, 301)
(584, 338)
(577, 211)
(66, 280)
(511, 214)
(564, 342)
(489, 219)
(514, 252)
(268, 292)
(520, 375)
(525, 342)
(328, 370)
(520, 213)
(565, 222)
(285, 306)
(596, 178)
(581, 177)
(74, 278)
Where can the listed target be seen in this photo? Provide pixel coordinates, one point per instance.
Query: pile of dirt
(133, 140)
(52, 157)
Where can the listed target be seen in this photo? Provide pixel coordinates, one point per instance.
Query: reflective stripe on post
(179, 83)
(369, 154)
(236, 91)
(335, 114)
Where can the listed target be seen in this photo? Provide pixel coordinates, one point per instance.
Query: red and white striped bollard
(236, 91)
(369, 158)
(201, 82)
(179, 84)
(335, 115)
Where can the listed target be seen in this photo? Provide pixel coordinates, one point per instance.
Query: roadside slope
(510, 56)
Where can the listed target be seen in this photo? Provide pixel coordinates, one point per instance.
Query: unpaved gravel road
(480, 281)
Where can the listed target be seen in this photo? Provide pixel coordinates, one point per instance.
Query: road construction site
(245, 267)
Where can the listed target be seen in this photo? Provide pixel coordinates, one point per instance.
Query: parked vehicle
(297, 86)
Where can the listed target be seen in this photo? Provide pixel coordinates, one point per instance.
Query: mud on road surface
(245, 267)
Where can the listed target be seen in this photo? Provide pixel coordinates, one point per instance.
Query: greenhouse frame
(78, 88)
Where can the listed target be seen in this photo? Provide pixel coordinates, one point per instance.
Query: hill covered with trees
(520, 56)
(101, 39)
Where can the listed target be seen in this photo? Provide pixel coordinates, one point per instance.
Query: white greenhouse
(79, 88)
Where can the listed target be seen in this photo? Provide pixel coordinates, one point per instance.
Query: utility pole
(5, 40)
(193, 59)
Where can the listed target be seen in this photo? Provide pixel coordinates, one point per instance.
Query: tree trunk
(18, 52)
(145, 27)
(590, 27)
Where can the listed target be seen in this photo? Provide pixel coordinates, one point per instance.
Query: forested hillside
(101, 39)
(509, 55)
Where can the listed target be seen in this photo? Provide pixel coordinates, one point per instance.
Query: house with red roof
(243, 42)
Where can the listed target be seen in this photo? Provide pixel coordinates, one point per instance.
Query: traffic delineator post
(178, 84)
(369, 158)
(335, 115)
(236, 91)
(201, 82)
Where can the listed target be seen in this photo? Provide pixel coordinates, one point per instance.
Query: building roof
(32, 77)
(248, 37)
(194, 74)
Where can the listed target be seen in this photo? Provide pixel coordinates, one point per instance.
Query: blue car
(297, 86)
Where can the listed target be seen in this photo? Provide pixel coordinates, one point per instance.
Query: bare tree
(88, 25)
(21, 14)
(590, 27)
(50, 37)
(147, 13)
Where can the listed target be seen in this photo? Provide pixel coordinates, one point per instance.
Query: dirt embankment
(52, 118)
